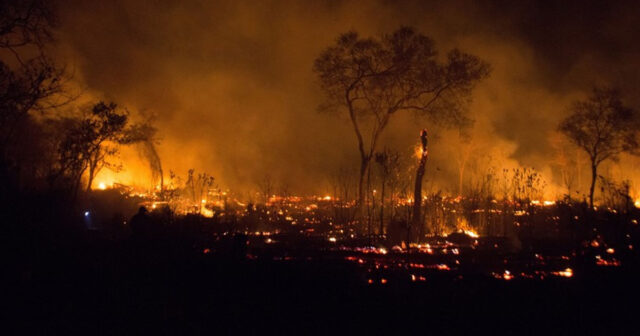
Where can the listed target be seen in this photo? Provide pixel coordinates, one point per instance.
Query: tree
(84, 143)
(373, 79)
(417, 192)
(29, 81)
(104, 129)
(198, 186)
(603, 127)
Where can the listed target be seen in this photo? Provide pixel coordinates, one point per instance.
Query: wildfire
(102, 186)
(206, 212)
(471, 234)
(543, 203)
(637, 203)
(567, 273)
(418, 152)
(463, 226)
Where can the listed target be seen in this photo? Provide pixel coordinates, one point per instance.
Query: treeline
(52, 141)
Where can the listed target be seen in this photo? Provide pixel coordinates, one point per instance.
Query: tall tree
(417, 191)
(603, 127)
(29, 81)
(373, 79)
(85, 143)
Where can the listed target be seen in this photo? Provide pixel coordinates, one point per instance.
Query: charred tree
(373, 79)
(603, 127)
(417, 192)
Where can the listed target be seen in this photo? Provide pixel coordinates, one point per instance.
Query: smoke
(232, 86)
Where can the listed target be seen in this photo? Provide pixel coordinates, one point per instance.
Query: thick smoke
(232, 86)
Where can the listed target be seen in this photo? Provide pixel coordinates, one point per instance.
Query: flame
(418, 152)
(463, 226)
(567, 273)
(471, 234)
(102, 186)
(206, 212)
(637, 203)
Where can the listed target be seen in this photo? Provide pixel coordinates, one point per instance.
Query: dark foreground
(128, 288)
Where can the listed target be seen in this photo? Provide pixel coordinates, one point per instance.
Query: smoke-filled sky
(232, 86)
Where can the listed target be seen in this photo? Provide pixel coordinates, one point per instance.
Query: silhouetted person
(141, 224)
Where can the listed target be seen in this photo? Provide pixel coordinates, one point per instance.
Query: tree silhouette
(29, 82)
(603, 127)
(417, 192)
(373, 79)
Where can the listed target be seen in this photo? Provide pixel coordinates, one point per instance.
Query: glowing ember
(419, 153)
(471, 233)
(567, 273)
(206, 212)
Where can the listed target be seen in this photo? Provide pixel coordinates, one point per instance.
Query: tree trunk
(92, 169)
(370, 206)
(417, 192)
(382, 207)
(364, 166)
(594, 175)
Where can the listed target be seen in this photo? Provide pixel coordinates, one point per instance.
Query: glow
(102, 186)
(471, 234)
(86, 213)
(206, 212)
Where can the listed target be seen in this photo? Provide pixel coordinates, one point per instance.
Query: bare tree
(373, 79)
(198, 186)
(417, 191)
(29, 82)
(25, 24)
(603, 127)
(266, 186)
